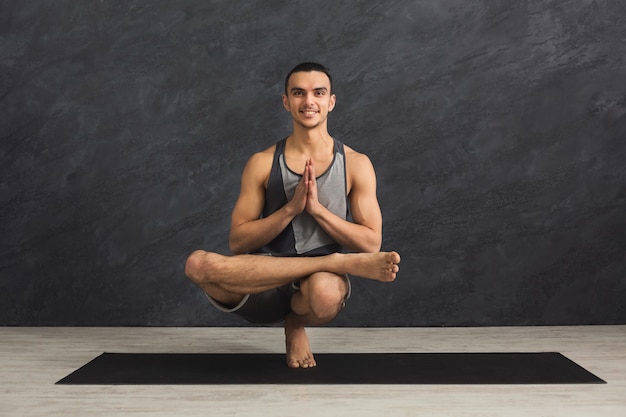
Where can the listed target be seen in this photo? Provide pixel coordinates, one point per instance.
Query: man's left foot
(297, 343)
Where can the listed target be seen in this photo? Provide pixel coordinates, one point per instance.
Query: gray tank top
(304, 236)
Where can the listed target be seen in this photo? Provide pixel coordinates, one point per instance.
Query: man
(293, 206)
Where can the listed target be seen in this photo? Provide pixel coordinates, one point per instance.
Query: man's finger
(311, 171)
(306, 171)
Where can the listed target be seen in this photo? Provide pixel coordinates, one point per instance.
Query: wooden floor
(33, 359)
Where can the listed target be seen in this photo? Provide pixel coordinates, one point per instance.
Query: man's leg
(229, 278)
(320, 299)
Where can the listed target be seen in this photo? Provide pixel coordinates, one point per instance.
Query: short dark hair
(308, 67)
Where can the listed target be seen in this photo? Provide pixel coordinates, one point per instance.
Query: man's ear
(333, 100)
(286, 103)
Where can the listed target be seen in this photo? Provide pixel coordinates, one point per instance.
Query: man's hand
(305, 194)
(312, 202)
(300, 197)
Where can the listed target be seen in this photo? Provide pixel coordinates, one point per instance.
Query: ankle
(337, 263)
(293, 323)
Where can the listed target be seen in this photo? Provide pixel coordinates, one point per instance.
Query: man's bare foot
(297, 343)
(380, 266)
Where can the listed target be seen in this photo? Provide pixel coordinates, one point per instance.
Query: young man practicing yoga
(293, 207)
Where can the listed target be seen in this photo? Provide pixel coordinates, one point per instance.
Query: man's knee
(204, 269)
(200, 266)
(327, 293)
(193, 264)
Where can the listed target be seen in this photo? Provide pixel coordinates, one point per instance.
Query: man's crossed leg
(323, 286)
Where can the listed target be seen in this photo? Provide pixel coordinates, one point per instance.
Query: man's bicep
(247, 208)
(249, 205)
(365, 211)
(363, 200)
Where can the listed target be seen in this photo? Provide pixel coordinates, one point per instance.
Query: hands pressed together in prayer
(305, 196)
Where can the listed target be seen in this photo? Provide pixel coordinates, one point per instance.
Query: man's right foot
(380, 266)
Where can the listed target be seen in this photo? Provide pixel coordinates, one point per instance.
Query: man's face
(309, 99)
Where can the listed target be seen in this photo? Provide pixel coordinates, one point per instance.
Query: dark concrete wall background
(496, 128)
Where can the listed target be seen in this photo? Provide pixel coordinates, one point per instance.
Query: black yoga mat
(332, 368)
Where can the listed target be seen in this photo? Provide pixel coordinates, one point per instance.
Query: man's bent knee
(326, 295)
(194, 264)
(201, 267)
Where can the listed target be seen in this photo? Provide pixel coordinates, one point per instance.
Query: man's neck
(310, 141)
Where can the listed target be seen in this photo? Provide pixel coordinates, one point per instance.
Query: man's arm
(249, 232)
(365, 234)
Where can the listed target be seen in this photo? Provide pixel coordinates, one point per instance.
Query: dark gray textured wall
(496, 127)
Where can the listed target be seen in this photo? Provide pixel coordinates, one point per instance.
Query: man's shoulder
(259, 164)
(354, 157)
(359, 169)
(264, 155)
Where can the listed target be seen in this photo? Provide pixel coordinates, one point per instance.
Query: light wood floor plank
(33, 359)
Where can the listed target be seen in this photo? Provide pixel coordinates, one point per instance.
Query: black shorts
(269, 306)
